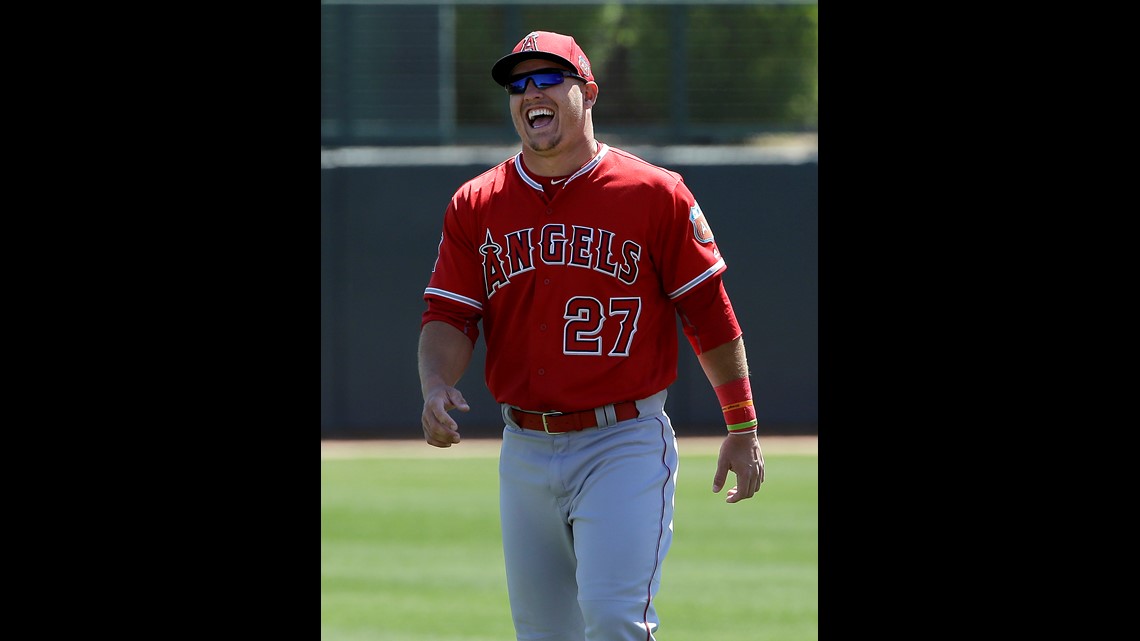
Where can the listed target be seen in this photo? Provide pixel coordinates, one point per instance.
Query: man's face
(545, 118)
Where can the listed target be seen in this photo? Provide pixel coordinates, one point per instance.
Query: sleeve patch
(701, 230)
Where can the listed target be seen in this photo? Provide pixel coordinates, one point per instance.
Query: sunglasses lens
(541, 81)
(544, 80)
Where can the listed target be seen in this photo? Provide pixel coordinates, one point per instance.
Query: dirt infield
(487, 447)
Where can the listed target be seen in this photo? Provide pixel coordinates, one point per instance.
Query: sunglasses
(543, 78)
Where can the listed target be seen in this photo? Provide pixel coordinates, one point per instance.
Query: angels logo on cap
(544, 45)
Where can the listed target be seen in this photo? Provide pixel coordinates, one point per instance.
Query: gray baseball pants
(587, 520)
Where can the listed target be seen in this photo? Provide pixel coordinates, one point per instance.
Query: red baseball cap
(545, 45)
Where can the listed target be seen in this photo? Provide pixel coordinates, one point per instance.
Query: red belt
(559, 423)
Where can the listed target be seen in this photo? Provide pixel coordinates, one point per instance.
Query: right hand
(440, 430)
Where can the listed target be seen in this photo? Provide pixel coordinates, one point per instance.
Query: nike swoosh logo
(555, 182)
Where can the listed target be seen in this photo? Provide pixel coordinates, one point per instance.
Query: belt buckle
(546, 427)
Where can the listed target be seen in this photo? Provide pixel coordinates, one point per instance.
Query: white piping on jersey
(698, 280)
(585, 168)
(455, 297)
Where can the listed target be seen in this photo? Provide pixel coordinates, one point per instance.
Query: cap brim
(501, 72)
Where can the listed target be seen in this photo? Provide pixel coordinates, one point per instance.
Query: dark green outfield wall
(380, 228)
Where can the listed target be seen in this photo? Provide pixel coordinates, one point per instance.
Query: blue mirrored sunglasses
(542, 78)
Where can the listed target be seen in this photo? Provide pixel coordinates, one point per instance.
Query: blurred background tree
(669, 72)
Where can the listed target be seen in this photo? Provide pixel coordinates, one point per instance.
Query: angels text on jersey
(557, 244)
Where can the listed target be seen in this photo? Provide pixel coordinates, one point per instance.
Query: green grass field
(410, 551)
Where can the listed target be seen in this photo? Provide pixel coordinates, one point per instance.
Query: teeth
(541, 111)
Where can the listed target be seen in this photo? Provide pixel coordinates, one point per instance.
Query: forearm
(444, 353)
(724, 363)
(726, 367)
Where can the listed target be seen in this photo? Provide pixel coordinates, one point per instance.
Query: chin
(543, 143)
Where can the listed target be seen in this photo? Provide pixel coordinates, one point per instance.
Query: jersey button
(549, 211)
(542, 326)
(546, 281)
(541, 372)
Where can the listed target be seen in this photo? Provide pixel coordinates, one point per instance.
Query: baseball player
(578, 257)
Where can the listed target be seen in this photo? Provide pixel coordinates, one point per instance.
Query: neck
(560, 163)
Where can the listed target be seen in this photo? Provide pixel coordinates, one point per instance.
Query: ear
(591, 94)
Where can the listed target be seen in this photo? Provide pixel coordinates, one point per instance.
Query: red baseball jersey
(576, 288)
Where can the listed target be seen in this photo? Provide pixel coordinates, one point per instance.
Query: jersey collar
(584, 169)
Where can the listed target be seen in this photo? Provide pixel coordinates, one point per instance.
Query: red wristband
(736, 403)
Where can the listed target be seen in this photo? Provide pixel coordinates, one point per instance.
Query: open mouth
(540, 117)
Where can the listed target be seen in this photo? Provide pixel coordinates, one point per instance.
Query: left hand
(741, 454)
